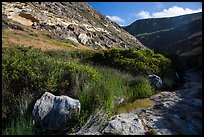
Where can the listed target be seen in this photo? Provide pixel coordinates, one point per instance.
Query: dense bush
(137, 62)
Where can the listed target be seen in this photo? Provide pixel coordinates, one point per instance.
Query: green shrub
(152, 132)
(168, 83)
(137, 62)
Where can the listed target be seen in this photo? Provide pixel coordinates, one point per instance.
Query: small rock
(83, 38)
(156, 81)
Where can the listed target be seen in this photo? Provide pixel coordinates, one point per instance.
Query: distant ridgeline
(166, 33)
(181, 35)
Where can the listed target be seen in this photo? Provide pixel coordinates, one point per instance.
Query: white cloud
(116, 19)
(171, 12)
(174, 11)
(144, 14)
(159, 4)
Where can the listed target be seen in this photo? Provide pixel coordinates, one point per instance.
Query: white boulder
(54, 113)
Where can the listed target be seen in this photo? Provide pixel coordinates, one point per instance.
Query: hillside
(72, 21)
(181, 35)
(168, 33)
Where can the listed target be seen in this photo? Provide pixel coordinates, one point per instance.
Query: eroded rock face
(54, 113)
(124, 124)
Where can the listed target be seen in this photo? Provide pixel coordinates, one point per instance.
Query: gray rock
(156, 81)
(54, 113)
(124, 124)
(83, 38)
(168, 104)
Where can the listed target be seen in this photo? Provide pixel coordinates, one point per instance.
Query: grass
(22, 126)
(112, 83)
(36, 39)
(70, 42)
(140, 87)
(168, 83)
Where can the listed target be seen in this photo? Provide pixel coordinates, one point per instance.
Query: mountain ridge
(167, 34)
(186, 17)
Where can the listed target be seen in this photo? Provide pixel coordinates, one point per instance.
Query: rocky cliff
(74, 21)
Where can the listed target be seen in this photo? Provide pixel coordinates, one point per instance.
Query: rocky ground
(175, 112)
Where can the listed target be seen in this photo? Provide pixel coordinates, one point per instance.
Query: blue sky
(125, 13)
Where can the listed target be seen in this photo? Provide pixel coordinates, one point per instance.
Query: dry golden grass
(37, 39)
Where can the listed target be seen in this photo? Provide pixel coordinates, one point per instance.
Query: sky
(125, 13)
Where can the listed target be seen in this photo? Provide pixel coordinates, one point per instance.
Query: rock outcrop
(55, 113)
(124, 124)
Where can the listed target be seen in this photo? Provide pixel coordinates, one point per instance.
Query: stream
(177, 112)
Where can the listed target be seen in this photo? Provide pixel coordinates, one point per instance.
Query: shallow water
(139, 103)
